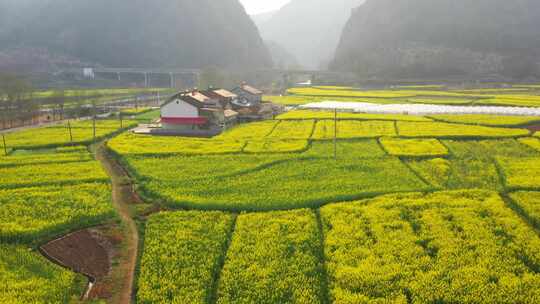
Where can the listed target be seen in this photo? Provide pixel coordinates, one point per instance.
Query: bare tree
(15, 100)
(60, 102)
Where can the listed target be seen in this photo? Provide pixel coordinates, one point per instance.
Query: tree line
(19, 105)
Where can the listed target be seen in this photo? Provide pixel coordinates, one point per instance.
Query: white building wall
(179, 108)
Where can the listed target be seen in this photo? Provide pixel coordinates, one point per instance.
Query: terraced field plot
(346, 129)
(325, 115)
(299, 129)
(529, 203)
(27, 277)
(128, 143)
(447, 130)
(452, 247)
(52, 173)
(276, 146)
(30, 214)
(287, 184)
(253, 131)
(59, 135)
(413, 147)
(274, 257)
(471, 164)
(182, 252)
(45, 194)
(531, 142)
(488, 120)
(37, 157)
(521, 173)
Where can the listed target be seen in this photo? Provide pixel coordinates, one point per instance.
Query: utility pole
(5, 147)
(70, 133)
(94, 119)
(335, 133)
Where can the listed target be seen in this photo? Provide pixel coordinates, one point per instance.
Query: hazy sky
(261, 6)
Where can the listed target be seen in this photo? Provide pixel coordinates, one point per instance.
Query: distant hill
(442, 38)
(309, 29)
(136, 33)
(282, 58)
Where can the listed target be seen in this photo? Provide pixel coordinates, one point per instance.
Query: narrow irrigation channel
(122, 197)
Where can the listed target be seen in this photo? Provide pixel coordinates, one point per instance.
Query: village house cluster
(208, 112)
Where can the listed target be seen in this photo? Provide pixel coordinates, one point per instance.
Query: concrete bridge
(190, 77)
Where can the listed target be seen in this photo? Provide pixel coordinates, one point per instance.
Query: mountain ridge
(136, 33)
(403, 38)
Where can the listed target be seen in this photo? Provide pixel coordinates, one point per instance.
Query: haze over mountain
(134, 33)
(442, 38)
(262, 18)
(309, 29)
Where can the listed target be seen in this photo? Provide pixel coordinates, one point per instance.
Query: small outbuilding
(248, 96)
(224, 97)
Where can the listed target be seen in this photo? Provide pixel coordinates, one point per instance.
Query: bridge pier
(173, 82)
(146, 80)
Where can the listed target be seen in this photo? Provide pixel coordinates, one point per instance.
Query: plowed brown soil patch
(84, 252)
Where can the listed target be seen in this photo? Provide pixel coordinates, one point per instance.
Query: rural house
(187, 111)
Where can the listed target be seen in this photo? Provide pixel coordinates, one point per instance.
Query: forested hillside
(442, 38)
(179, 33)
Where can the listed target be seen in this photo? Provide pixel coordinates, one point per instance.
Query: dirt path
(122, 196)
